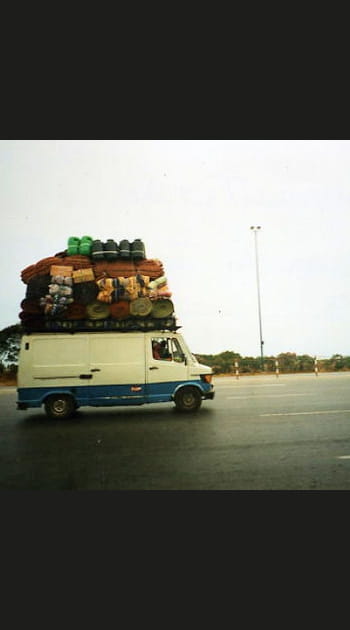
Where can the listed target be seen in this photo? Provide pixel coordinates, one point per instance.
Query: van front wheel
(60, 406)
(188, 399)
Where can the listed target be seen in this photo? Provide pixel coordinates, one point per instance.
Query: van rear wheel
(188, 399)
(60, 406)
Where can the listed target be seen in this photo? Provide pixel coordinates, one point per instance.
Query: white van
(64, 371)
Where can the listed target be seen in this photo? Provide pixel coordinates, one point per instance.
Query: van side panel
(117, 365)
(53, 361)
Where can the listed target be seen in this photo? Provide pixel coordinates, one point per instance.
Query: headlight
(207, 378)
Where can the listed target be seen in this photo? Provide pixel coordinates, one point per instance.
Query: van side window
(160, 349)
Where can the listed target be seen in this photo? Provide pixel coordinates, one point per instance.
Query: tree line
(288, 362)
(222, 363)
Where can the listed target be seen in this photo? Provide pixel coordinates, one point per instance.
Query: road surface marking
(306, 413)
(252, 386)
(343, 457)
(267, 396)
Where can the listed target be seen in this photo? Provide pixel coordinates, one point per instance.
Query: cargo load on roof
(95, 285)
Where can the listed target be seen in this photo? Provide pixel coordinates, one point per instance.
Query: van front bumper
(208, 395)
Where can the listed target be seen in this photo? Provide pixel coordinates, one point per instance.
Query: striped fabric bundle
(27, 273)
(151, 267)
(114, 269)
(41, 268)
(127, 268)
(77, 262)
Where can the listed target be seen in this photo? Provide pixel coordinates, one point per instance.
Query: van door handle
(85, 376)
(95, 370)
(154, 367)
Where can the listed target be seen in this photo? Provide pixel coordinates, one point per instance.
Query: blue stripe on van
(109, 395)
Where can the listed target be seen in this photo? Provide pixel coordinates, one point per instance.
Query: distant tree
(287, 361)
(338, 362)
(11, 370)
(270, 364)
(249, 365)
(10, 341)
(305, 363)
(222, 363)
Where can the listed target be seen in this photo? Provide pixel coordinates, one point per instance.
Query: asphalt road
(259, 433)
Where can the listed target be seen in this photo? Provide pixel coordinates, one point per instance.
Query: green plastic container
(85, 245)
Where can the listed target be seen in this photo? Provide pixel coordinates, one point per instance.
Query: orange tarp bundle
(43, 266)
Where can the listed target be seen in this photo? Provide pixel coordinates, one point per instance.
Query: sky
(193, 202)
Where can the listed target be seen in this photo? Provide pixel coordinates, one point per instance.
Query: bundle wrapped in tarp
(153, 268)
(37, 287)
(31, 306)
(85, 292)
(141, 307)
(120, 310)
(162, 308)
(41, 268)
(77, 262)
(32, 321)
(75, 311)
(97, 310)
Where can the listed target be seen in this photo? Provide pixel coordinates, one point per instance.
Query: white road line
(343, 457)
(217, 386)
(306, 413)
(266, 396)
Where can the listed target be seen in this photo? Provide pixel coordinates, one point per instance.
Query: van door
(117, 366)
(57, 360)
(165, 367)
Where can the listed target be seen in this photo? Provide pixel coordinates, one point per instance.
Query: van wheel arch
(188, 398)
(59, 406)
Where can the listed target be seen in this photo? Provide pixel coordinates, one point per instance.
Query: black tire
(188, 399)
(59, 406)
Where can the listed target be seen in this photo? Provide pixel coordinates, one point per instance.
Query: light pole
(256, 230)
